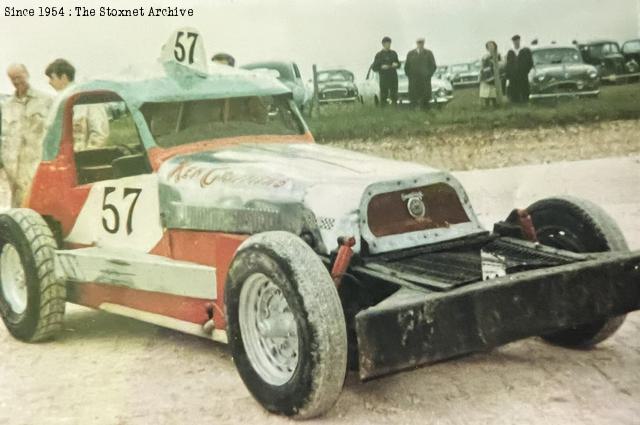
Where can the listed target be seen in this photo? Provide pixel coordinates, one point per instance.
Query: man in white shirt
(90, 122)
(23, 128)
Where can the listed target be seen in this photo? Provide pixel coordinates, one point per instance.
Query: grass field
(464, 114)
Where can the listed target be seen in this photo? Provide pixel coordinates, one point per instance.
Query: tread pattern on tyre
(606, 229)
(324, 313)
(52, 298)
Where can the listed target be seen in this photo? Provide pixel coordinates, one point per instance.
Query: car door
(105, 193)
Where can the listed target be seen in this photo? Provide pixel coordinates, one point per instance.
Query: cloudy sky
(327, 32)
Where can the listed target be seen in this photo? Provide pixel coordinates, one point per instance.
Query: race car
(213, 212)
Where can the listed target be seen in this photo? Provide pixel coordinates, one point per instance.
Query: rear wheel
(32, 301)
(580, 226)
(286, 326)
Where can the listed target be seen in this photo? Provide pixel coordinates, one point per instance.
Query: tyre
(580, 226)
(286, 326)
(32, 301)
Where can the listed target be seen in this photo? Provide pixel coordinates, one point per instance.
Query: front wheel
(286, 325)
(578, 225)
(32, 301)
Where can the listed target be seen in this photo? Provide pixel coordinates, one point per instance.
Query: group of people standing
(512, 73)
(26, 116)
(419, 67)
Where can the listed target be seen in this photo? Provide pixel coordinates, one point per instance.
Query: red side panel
(183, 308)
(210, 249)
(206, 248)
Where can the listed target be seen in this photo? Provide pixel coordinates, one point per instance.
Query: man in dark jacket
(420, 67)
(386, 63)
(519, 63)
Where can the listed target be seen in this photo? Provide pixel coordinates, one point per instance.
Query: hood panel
(295, 187)
(564, 71)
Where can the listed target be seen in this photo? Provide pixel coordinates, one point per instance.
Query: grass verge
(464, 114)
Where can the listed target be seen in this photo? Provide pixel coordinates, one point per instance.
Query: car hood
(563, 71)
(466, 74)
(336, 85)
(290, 180)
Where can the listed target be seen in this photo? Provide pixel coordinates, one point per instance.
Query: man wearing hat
(519, 63)
(386, 63)
(420, 67)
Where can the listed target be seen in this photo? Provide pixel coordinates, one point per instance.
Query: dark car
(607, 57)
(464, 74)
(336, 85)
(560, 72)
(631, 52)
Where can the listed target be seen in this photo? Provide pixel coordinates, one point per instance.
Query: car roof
(554, 46)
(597, 41)
(184, 85)
(334, 70)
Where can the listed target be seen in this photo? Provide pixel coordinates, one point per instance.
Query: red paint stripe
(178, 307)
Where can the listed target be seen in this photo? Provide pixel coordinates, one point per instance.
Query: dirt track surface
(500, 147)
(110, 370)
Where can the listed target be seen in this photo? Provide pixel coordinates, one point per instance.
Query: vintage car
(441, 90)
(337, 86)
(559, 71)
(464, 74)
(213, 212)
(606, 56)
(443, 72)
(631, 52)
(289, 74)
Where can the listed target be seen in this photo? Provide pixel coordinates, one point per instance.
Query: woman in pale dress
(488, 92)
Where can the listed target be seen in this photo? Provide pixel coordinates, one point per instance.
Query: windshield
(632, 46)
(600, 50)
(342, 76)
(556, 56)
(181, 123)
(459, 68)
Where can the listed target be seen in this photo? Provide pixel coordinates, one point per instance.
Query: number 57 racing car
(212, 211)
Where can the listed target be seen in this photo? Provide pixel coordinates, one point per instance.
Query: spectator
(90, 122)
(490, 62)
(23, 128)
(419, 68)
(519, 63)
(386, 63)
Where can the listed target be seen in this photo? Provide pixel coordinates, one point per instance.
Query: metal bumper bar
(412, 327)
(564, 94)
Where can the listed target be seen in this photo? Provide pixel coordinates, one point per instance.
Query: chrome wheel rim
(13, 279)
(269, 330)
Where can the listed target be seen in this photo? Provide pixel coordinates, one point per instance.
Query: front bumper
(437, 98)
(614, 78)
(338, 100)
(414, 327)
(585, 93)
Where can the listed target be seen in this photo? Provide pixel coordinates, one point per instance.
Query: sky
(330, 33)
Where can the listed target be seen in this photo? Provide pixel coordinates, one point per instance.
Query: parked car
(337, 85)
(607, 57)
(217, 215)
(289, 74)
(631, 52)
(559, 71)
(442, 72)
(442, 90)
(465, 74)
